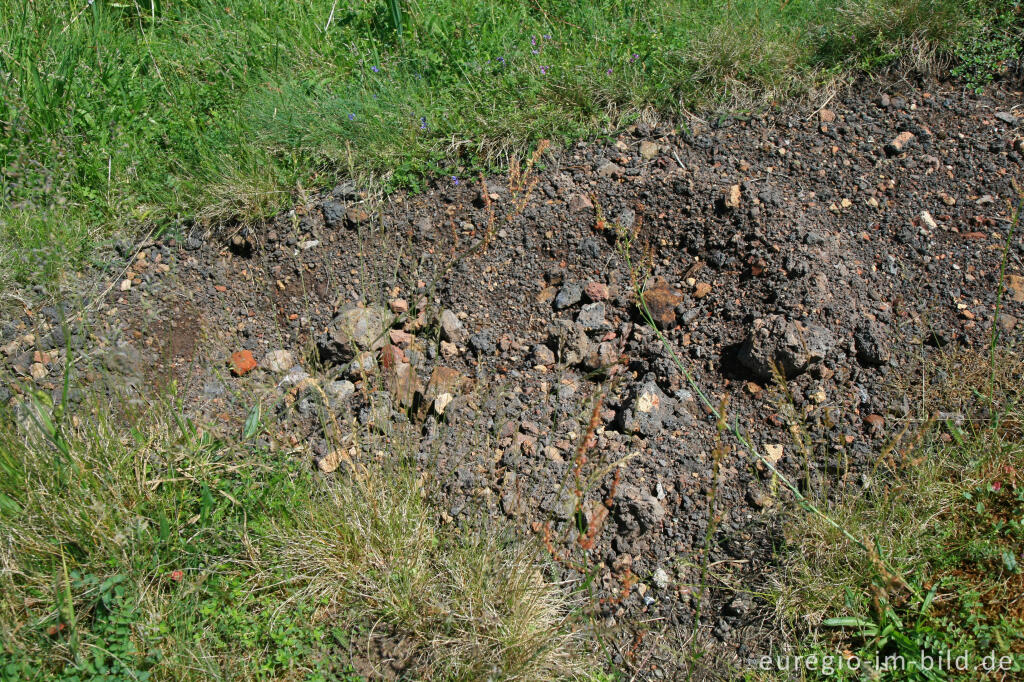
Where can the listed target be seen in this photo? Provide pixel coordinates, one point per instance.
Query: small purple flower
(609, 72)
(351, 117)
(501, 59)
(423, 123)
(547, 36)
(634, 57)
(533, 41)
(375, 69)
(455, 180)
(535, 51)
(543, 70)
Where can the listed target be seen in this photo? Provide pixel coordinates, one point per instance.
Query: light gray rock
(451, 328)
(354, 329)
(647, 409)
(278, 361)
(592, 317)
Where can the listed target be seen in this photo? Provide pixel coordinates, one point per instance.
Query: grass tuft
(947, 518)
(162, 552)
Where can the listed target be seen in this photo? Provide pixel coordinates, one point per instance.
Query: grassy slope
(159, 552)
(117, 117)
(945, 521)
(116, 120)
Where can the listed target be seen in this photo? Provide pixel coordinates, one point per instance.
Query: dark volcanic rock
(777, 344)
(870, 343)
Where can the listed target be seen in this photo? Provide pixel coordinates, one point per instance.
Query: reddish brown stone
(1015, 287)
(661, 300)
(400, 338)
(391, 355)
(242, 362)
(596, 291)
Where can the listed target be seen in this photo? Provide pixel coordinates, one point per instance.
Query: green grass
(945, 525)
(162, 552)
(130, 116)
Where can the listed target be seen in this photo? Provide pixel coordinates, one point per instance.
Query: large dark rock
(776, 344)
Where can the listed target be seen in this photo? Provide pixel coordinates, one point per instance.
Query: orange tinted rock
(875, 422)
(661, 300)
(1015, 287)
(242, 362)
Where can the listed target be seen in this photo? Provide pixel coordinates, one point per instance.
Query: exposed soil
(832, 249)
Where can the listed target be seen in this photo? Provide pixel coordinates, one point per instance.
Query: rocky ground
(799, 266)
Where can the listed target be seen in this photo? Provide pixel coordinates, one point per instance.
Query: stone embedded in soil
(1006, 117)
(570, 340)
(363, 364)
(569, 295)
(294, 377)
(647, 410)
(402, 383)
(777, 344)
(661, 300)
(399, 306)
(242, 362)
(604, 355)
(900, 143)
(661, 579)
(826, 116)
(870, 344)
(773, 453)
(278, 361)
(580, 202)
(596, 291)
(354, 329)
(542, 355)
(1015, 287)
(875, 423)
(592, 317)
(732, 197)
(701, 290)
(330, 462)
(637, 511)
(390, 355)
(451, 328)
(449, 349)
(758, 497)
(444, 381)
(378, 413)
(928, 221)
(482, 343)
(337, 391)
(334, 213)
(610, 170)
(356, 216)
(649, 150)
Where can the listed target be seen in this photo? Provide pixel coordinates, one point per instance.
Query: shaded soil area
(799, 266)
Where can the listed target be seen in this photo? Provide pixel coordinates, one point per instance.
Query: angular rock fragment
(777, 344)
(352, 330)
(570, 341)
